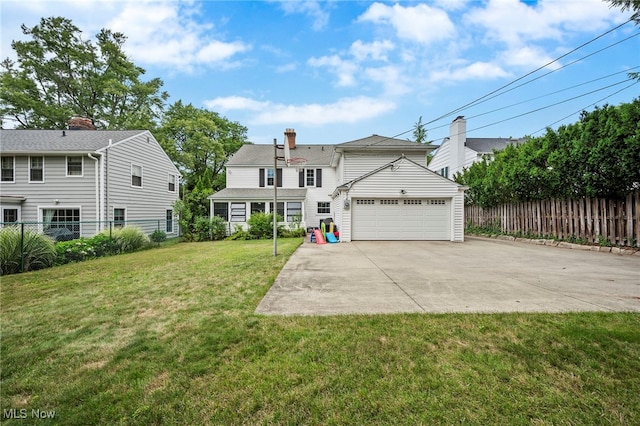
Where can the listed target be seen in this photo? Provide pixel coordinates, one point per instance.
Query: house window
(9, 215)
(270, 177)
(136, 175)
(172, 183)
(8, 166)
(444, 172)
(221, 210)
(74, 166)
(324, 207)
(311, 177)
(257, 208)
(62, 224)
(238, 212)
(119, 217)
(294, 211)
(36, 169)
(280, 209)
(169, 225)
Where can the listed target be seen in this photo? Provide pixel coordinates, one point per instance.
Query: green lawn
(168, 336)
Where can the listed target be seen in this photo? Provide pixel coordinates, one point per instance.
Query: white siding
(441, 158)
(356, 164)
(417, 183)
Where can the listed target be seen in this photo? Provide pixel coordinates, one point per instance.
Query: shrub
(293, 233)
(202, 228)
(218, 228)
(39, 250)
(158, 236)
(129, 239)
(84, 248)
(239, 234)
(261, 226)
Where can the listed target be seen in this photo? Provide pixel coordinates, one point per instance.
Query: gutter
(99, 212)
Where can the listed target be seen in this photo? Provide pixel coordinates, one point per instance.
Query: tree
(200, 142)
(58, 75)
(419, 132)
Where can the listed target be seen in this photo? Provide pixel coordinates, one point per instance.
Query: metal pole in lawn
(274, 212)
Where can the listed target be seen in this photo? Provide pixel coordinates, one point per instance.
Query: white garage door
(401, 219)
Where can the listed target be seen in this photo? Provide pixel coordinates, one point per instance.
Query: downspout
(98, 197)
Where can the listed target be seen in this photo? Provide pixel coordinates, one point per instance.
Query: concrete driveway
(478, 275)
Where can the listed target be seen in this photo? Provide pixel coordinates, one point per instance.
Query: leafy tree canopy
(596, 157)
(200, 142)
(59, 75)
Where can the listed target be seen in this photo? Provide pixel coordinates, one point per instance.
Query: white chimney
(457, 139)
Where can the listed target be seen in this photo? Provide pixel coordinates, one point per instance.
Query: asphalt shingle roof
(19, 141)
(259, 194)
(377, 141)
(262, 155)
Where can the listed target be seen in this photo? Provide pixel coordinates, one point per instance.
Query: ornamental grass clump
(129, 239)
(35, 251)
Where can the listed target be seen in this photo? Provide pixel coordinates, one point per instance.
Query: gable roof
(487, 145)
(262, 155)
(348, 185)
(377, 142)
(62, 141)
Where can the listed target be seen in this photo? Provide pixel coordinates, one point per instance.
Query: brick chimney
(290, 134)
(81, 123)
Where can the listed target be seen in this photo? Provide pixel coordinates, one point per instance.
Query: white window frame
(31, 168)
(328, 206)
(81, 165)
(13, 169)
(141, 176)
(10, 207)
(236, 208)
(289, 215)
(118, 223)
(273, 177)
(169, 221)
(175, 183)
(41, 210)
(310, 178)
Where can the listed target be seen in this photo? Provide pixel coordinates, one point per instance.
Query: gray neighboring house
(80, 180)
(457, 152)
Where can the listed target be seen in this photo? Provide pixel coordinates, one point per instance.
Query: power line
(476, 101)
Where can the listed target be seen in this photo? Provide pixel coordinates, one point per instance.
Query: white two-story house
(375, 188)
(73, 183)
(457, 152)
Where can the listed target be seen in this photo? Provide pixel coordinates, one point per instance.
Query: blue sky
(342, 70)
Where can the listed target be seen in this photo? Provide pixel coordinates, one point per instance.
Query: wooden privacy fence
(591, 219)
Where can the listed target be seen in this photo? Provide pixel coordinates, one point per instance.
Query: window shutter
(318, 178)
(301, 179)
(261, 177)
(279, 176)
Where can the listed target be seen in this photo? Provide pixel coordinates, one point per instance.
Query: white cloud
(345, 110)
(391, 78)
(376, 50)
(421, 23)
(529, 57)
(475, 71)
(311, 8)
(344, 69)
(515, 23)
(167, 34)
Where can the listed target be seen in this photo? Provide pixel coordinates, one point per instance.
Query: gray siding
(153, 199)
(57, 191)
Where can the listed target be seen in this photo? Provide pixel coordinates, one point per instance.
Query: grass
(168, 336)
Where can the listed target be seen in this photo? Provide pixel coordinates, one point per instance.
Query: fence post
(21, 246)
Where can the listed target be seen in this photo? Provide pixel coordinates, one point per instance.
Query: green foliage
(200, 142)
(293, 233)
(129, 239)
(239, 234)
(595, 157)
(58, 74)
(210, 229)
(185, 218)
(158, 236)
(39, 250)
(261, 226)
(84, 249)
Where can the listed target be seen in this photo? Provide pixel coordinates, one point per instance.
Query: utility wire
(467, 105)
